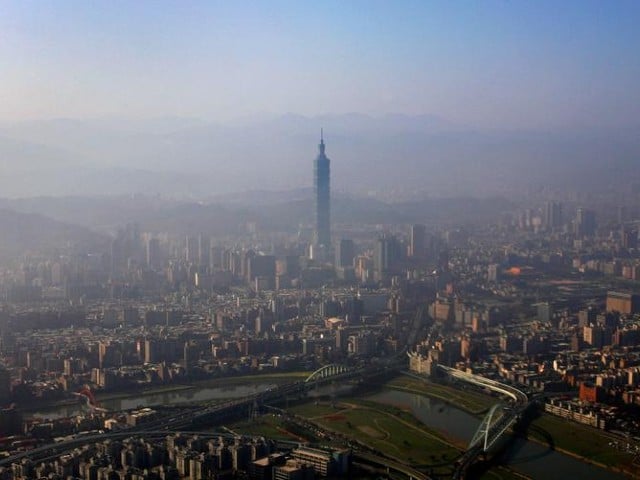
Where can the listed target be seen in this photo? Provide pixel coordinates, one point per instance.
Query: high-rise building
(321, 186)
(261, 266)
(204, 250)
(154, 259)
(553, 215)
(585, 224)
(191, 249)
(417, 245)
(386, 254)
(5, 384)
(623, 302)
(629, 238)
(345, 253)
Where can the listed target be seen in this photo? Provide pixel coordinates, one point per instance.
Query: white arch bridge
(497, 420)
(493, 425)
(500, 417)
(328, 371)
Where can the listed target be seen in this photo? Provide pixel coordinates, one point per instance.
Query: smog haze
(200, 98)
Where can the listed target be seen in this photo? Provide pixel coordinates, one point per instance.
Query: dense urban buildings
(539, 296)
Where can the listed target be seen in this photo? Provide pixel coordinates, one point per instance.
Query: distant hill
(28, 233)
(283, 211)
(190, 158)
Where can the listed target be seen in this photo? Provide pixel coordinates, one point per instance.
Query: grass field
(389, 430)
(273, 427)
(581, 440)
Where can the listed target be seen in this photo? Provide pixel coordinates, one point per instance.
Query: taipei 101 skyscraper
(321, 186)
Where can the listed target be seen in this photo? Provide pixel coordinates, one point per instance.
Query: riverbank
(219, 382)
(149, 390)
(582, 442)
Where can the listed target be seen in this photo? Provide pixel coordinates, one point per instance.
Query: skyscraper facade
(417, 244)
(585, 223)
(321, 185)
(345, 253)
(386, 254)
(553, 215)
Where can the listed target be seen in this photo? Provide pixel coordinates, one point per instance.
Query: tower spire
(321, 146)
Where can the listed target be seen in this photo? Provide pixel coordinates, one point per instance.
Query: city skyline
(187, 292)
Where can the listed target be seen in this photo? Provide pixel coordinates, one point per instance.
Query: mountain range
(400, 155)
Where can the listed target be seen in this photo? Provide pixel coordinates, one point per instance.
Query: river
(529, 458)
(150, 399)
(524, 456)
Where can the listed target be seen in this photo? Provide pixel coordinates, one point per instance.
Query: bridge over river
(497, 421)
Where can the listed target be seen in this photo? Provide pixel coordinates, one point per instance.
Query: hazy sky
(495, 63)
